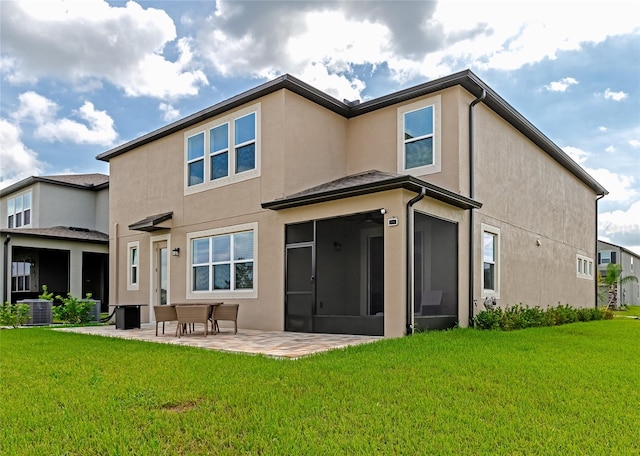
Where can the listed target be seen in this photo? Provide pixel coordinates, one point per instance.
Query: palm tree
(612, 278)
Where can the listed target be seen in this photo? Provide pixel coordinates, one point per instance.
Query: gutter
(471, 195)
(410, 253)
(6, 268)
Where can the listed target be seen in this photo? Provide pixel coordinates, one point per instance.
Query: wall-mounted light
(176, 251)
(337, 246)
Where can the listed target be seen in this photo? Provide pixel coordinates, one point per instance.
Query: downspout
(410, 253)
(6, 269)
(595, 260)
(472, 195)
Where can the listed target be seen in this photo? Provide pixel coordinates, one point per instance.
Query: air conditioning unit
(40, 311)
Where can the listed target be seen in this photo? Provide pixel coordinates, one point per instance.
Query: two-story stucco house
(318, 215)
(53, 232)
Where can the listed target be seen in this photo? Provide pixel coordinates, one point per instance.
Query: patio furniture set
(188, 315)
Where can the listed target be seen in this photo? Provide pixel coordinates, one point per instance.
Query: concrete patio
(278, 344)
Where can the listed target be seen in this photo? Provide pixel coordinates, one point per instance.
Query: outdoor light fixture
(176, 251)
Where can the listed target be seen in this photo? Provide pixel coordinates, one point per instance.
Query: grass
(632, 311)
(571, 389)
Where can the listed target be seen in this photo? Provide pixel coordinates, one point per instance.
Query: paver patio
(279, 344)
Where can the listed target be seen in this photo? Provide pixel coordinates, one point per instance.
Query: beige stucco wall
(530, 198)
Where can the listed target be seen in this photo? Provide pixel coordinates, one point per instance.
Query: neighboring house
(628, 293)
(318, 215)
(53, 232)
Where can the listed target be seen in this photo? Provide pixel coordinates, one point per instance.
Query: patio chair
(192, 315)
(225, 312)
(164, 313)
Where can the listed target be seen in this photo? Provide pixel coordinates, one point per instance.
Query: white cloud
(169, 113)
(602, 129)
(610, 149)
(615, 96)
(621, 188)
(18, 161)
(621, 227)
(89, 40)
(634, 143)
(561, 85)
(96, 128)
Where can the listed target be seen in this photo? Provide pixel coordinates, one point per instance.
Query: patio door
(300, 287)
(160, 273)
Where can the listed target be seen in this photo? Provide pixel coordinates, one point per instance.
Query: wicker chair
(226, 312)
(192, 314)
(164, 313)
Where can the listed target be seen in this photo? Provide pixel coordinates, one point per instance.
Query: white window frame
(492, 230)
(436, 167)
(131, 284)
(608, 256)
(222, 294)
(584, 267)
(12, 204)
(232, 176)
(16, 274)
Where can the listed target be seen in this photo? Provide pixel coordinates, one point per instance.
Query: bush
(519, 316)
(73, 310)
(14, 314)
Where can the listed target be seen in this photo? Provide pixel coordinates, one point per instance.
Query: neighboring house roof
(95, 181)
(466, 79)
(622, 249)
(68, 233)
(369, 182)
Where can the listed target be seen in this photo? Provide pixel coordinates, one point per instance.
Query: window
(418, 138)
(19, 211)
(584, 267)
(20, 276)
(222, 261)
(232, 151)
(133, 261)
(490, 261)
(606, 257)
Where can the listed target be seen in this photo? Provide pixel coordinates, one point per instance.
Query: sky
(80, 77)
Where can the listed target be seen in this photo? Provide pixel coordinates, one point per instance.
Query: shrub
(14, 314)
(73, 310)
(519, 316)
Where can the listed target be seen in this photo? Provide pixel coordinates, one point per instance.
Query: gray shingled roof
(61, 232)
(369, 182)
(93, 181)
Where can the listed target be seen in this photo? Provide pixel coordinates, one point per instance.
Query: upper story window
(223, 151)
(19, 211)
(490, 261)
(606, 257)
(419, 137)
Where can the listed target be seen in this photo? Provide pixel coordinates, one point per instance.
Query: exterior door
(160, 273)
(300, 288)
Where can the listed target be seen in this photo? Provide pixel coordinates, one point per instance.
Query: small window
(585, 267)
(219, 145)
(418, 137)
(134, 265)
(490, 261)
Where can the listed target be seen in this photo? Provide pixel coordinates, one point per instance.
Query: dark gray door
(300, 288)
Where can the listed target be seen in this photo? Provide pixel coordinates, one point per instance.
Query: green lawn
(632, 311)
(565, 390)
